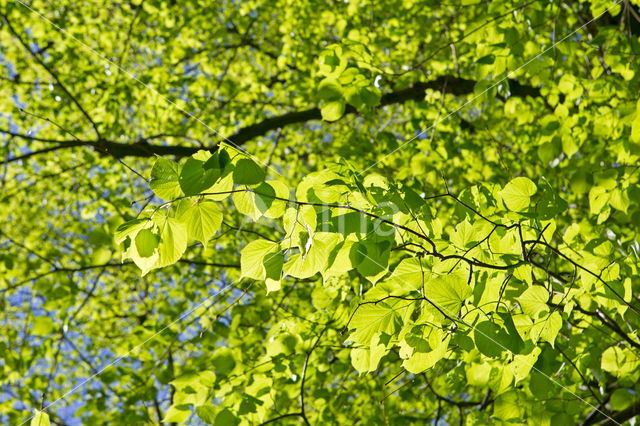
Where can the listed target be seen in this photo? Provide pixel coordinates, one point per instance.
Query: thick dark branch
(65, 145)
(141, 148)
(35, 138)
(416, 92)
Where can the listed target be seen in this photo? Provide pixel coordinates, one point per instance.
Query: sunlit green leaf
(40, 419)
(164, 179)
(247, 172)
(517, 193)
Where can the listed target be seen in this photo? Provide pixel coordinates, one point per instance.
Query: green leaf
(339, 261)
(173, 241)
(332, 110)
(247, 172)
(422, 361)
(265, 200)
(203, 219)
(447, 293)
(43, 326)
(130, 229)
(487, 59)
(370, 96)
(146, 242)
(509, 406)
(622, 398)
(371, 319)
(332, 61)
(219, 160)
(193, 388)
(143, 236)
(478, 374)
(635, 126)
(619, 361)
(464, 235)
(207, 413)
(40, 418)
(551, 204)
(534, 301)
(196, 178)
(410, 275)
(273, 263)
(492, 339)
(164, 179)
(598, 199)
(620, 200)
(517, 193)
(314, 259)
(551, 326)
(252, 258)
(223, 361)
(522, 364)
(177, 414)
(367, 359)
(370, 258)
(352, 96)
(226, 418)
(329, 89)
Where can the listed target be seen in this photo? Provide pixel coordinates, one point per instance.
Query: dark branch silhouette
(143, 147)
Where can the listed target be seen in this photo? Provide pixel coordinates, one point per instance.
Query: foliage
(394, 212)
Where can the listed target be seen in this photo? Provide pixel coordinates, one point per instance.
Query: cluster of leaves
(344, 84)
(475, 291)
(438, 221)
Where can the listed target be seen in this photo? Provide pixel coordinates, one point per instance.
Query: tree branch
(416, 92)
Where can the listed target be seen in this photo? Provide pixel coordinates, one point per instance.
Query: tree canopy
(320, 212)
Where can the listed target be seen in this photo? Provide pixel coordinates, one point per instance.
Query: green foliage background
(319, 212)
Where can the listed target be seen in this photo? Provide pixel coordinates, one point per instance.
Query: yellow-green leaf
(534, 300)
(40, 419)
(517, 193)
